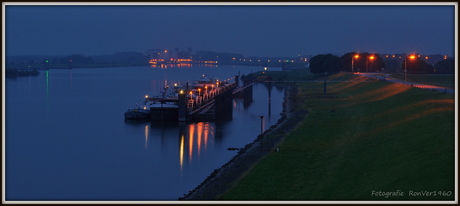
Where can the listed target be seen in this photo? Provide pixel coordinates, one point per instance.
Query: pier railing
(206, 99)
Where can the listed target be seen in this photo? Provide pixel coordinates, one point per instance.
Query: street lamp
(353, 61)
(371, 58)
(405, 67)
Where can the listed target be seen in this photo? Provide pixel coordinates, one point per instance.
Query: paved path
(423, 86)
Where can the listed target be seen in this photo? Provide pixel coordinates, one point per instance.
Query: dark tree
(445, 66)
(325, 64)
(416, 66)
(361, 62)
(349, 62)
(392, 63)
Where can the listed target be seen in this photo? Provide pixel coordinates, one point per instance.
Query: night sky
(262, 30)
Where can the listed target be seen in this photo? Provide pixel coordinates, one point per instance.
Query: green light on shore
(46, 61)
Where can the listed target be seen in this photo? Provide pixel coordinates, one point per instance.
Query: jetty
(206, 100)
(213, 105)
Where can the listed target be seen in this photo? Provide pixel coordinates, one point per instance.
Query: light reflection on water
(66, 138)
(193, 138)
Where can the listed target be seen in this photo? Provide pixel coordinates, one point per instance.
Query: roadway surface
(423, 86)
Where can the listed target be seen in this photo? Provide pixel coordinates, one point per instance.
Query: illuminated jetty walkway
(215, 105)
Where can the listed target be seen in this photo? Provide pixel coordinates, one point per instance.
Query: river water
(66, 137)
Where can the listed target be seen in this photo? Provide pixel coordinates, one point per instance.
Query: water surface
(66, 137)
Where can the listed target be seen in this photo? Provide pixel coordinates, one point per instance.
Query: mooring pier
(210, 106)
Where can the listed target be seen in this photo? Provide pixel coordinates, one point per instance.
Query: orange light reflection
(200, 135)
(190, 141)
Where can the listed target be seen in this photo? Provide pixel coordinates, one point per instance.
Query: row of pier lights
(205, 95)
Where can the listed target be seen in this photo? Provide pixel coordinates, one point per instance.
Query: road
(423, 86)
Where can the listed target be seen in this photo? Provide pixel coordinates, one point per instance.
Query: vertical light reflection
(181, 152)
(47, 81)
(206, 135)
(146, 133)
(190, 142)
(71, 77)
(199, 133)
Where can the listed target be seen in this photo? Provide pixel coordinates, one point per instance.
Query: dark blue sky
(249, 30)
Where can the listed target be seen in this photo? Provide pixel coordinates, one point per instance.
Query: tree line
(326, 64)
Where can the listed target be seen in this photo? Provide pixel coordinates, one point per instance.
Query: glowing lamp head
(356, 56)
(146, 96)
(372, 57)
(412, 57)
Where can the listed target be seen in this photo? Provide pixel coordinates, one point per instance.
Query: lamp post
(353, 61)
(405, 67)
(371, 58)
(212, 90)
(261, 124)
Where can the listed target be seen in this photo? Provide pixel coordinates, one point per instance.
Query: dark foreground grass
(358, 141)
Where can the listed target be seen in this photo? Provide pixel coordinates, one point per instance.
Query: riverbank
(359, 139)
(220, 180)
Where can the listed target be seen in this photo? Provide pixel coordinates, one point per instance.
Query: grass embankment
(441, 80)
(360, 139)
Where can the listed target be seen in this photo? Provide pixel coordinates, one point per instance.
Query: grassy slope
(436, 80)
(359, 138)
